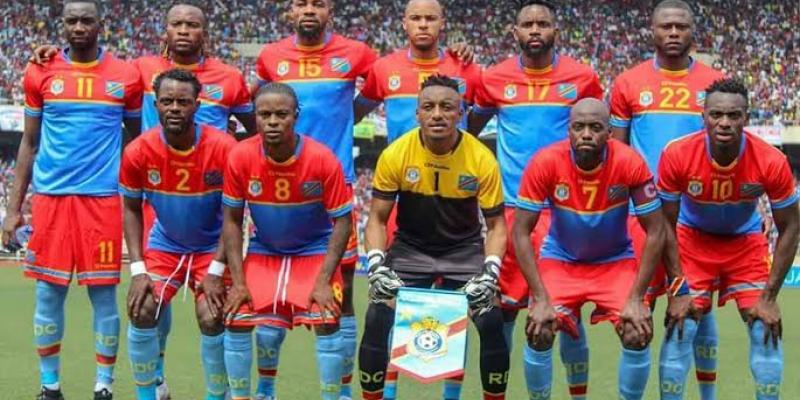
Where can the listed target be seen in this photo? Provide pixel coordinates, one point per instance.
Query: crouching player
(296, 192)
(178, 167)
(587, 254)
(710, 182)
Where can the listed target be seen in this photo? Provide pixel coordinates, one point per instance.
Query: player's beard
(312, 33)
(534, 53)
(587, 157)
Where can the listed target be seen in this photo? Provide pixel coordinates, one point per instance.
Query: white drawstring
(277, 286)
(286, 278)
(282, 285)
(188, 273)
(166, 282)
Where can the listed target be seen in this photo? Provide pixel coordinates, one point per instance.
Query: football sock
(347, 325)
(508, 334)
(634, 368)
(452, 388)
(143, 353)
(766, 363)
(164, 327)
(330, 363)
(373, 354)
(268, 342)
(106, 330)
(538, 372)
(48, 329)
(390, 384)
(494, 357)
(675, 361)
(238, 361)
(212, 353)
(575, 357)
(706, 344)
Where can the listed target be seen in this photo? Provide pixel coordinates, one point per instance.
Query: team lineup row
(298, 195)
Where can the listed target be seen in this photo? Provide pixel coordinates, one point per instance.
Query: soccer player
(295, 190)
(395, 79)
(588, 180)
(322, 68)
(710, 182)
(178, 167)
(531, 95)
(441, 178)
(653, 103)
(75, 107)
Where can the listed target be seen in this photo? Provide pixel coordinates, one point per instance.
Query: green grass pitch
(297, 376)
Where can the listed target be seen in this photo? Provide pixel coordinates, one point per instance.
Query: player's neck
(183, 141)
(673, 63)
(425, 54)
(84, 55)
(186, 59)
(282, 152)
(311, 41)
(725, 156)
(440, 147)
(541, 61)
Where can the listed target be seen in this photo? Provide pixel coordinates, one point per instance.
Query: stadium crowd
(752, 39)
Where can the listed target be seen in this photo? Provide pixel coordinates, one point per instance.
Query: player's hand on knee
(141, 287)
(383, 282)
(541, 325)
(322, 295)
(636, 317)
(213, 288)
(678, 309)
(769, 313)
(237, 296)
(483, 288)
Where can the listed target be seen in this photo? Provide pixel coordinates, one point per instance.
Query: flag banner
(429, 342)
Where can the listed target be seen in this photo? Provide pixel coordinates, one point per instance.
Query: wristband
(138, 268)
(216, 268)
(375, 256)
(678, 287)
(493, 260)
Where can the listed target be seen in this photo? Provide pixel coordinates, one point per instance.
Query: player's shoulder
(391, 60)
(147, 61)
(574, 67)
(215, 64)
(503, 68)
(401, 146)
(216, 136)
(268, 50)
(147, 139)
(557, 152)
(241, 151)
(316, 152)
(338, 41)
(624, 152)
(686, 142)
(702, 69)
(474, 145)
(762, 149)
(636, 72)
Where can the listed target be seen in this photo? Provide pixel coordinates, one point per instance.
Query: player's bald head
(186, 8)
(590, 107)
(417, 5)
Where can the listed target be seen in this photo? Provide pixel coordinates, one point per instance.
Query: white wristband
(216, 268)
(138, 268)
(375, 256)
(493, 259)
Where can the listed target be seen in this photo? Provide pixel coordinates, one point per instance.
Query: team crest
(57, 86)
(618, 192)
(412, 175)
(468, 183)
(510, 92)
(562, 192)
(430, 339)
(646, 98)
(154, 177)
(751, 190)
(213, 178)
(695, 188)
(214, 92)
(254, 188)
(311, 189)
(394, 82)
(283, 68)
(701, 98)
(115, 90)
(341, 65)
(567, 91)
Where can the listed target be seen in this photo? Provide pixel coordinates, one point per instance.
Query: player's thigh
(700, 262)
(744, 269)
(98, 248)
(569, 288)
(168, 273)
(611, 285)
(50, 255)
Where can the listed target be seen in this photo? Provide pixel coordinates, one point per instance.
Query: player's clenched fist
(383, 282)
(11, 223)
(482, 289)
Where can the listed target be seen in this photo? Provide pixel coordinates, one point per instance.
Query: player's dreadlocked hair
(728, 85)
(522, 4)
(440, 80)
(671, 4)
(97, 5)
(179, 75)
(281, 89)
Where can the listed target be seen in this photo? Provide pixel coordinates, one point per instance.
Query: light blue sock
(508, 333)
(268, 344)
(347, 325)
(143, 353)
(706, 344)
(766, 364)
(575, 357)
(212, 353)
(634, 368)
(675, 360)
(538, 372)
(238, 361)
(452, 388)
(48, 329)
(164, 327)
(330, 363)
(106, 330)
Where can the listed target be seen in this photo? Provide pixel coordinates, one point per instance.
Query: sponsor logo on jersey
(154, 177)
(115, 89)
(646, 98)
(254, 188)
(412, 174)
(695, 188)
(311, 189)
(214, 92)
(283, 68)
(468, 183)
(510, 92)
(562, 192)
(701, 98)
(618, 192)
(57, 86)
(395, 82)
(341, 65)
(751, 190)
(568, 91)
(213, 178)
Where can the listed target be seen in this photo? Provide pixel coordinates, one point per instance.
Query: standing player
(711, 182)
(322, 68)
(531, 95)
(652, 104)
(441, 177)
(587, 255)
(296, 192)
(178, 167)
(75, 106)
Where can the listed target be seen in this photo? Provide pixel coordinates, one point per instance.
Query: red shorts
(350, 256)
(514, 292)
(571, 285)
(658, 285)
(739, 265)
(75, 233)
(148, 220)
(170, 271)
(280, 287)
